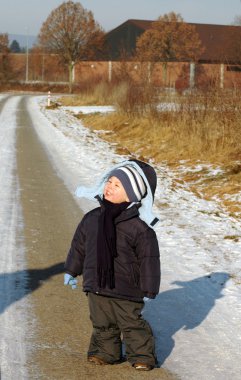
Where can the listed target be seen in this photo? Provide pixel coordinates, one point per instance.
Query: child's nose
(109, 185)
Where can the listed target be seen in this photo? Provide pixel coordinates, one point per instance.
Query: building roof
(218, 40)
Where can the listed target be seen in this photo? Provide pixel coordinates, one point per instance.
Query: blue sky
(27, 16)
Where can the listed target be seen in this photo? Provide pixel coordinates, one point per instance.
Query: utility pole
(26, 78)
(43, 67)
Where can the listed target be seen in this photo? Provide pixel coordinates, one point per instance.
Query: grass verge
(199, 131)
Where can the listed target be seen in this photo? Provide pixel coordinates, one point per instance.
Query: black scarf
(106, 242)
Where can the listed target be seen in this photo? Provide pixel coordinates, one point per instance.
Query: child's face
(114, 191)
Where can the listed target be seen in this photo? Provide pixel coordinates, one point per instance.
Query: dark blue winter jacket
(137, 265)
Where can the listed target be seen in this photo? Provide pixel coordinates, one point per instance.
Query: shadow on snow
(184, 307)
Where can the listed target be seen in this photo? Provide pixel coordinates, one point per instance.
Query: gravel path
(60, 330)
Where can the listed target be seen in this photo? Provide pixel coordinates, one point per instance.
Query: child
(116, 250)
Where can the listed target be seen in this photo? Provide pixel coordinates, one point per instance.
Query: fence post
(110, 71)
(221, 75)
(49, 96)
(149, 72)
(192, 75)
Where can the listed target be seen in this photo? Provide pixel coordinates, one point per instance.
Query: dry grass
(166, 142)
(205, 128)
(101, 94)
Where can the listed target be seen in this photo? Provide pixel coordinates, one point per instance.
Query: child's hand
(70, 280)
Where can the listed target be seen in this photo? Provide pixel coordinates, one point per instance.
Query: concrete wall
(47, 68)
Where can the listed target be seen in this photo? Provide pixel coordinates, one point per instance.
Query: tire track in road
(3, 100)
(13, 305)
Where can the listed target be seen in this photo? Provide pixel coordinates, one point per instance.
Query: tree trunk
(71, 67)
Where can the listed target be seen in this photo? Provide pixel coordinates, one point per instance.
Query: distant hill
(23, 40)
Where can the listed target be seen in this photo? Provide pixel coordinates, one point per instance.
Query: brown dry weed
(194, 136)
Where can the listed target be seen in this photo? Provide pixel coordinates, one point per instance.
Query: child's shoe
(96, 360)
(143, 366)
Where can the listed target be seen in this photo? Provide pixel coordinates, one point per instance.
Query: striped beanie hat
(132, 182)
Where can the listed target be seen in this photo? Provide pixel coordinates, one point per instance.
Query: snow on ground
(196, 316)
(13, 304)
(86, 109)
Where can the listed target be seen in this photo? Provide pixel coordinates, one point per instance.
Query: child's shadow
(16, 285)
(184, 307)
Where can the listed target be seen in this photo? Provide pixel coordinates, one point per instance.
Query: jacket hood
(149, 176)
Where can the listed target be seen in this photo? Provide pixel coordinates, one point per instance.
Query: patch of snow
(89, 109)
(196, 316)
(233, 197)
(168, 107)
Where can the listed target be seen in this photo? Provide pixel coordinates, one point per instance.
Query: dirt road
(60, 332)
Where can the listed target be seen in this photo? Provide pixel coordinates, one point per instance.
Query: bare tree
(4, 62)
(71, 31)
(4, 43)
(169, 39)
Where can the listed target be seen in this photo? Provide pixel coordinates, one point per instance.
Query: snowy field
(196, 316)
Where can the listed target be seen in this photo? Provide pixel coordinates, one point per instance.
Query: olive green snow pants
(112, 318)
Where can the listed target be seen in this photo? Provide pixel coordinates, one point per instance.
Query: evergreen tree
(14, 47)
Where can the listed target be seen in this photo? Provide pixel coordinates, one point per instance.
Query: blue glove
(70, 280)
